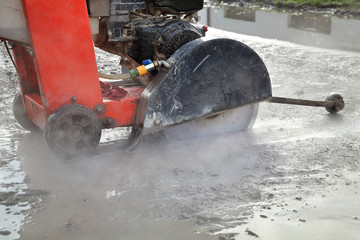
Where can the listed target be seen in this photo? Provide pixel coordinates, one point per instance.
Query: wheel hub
(75, 133)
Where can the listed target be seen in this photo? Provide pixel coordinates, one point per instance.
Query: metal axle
(333, 103)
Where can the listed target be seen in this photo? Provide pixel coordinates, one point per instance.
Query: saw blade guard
(207, 77)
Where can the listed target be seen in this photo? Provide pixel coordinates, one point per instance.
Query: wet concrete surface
(295, 175)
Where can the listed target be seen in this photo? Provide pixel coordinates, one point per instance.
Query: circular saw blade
(234, 120)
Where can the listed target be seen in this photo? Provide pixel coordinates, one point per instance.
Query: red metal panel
(65, 58)
(123, 111)
(35, 109)
(25, 65)
(29, 86)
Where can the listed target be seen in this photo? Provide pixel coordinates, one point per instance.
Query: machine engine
(145, 29)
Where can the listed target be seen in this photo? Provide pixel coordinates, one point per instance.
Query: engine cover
(160, 42)
(180, 6)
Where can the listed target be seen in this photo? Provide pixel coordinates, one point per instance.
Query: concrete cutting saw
(174, 79)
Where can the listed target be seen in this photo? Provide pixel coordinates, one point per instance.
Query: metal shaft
(302, 102)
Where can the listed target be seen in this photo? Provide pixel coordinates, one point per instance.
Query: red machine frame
(61, 69)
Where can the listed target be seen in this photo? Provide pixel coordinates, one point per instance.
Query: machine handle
(334, 102)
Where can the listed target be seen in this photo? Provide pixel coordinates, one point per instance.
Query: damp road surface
(295, 175)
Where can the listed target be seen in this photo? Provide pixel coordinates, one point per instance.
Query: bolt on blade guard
(207, 77)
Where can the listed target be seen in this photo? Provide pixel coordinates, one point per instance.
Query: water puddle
(14, 197)
(324, 215)
(308, 29)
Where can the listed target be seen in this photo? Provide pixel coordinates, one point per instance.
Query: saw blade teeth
(234, 120)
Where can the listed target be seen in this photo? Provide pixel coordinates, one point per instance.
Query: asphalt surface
(295, 175)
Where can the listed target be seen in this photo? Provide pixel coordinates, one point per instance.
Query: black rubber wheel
(339, 103)
(21, 115)
(72, 131)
